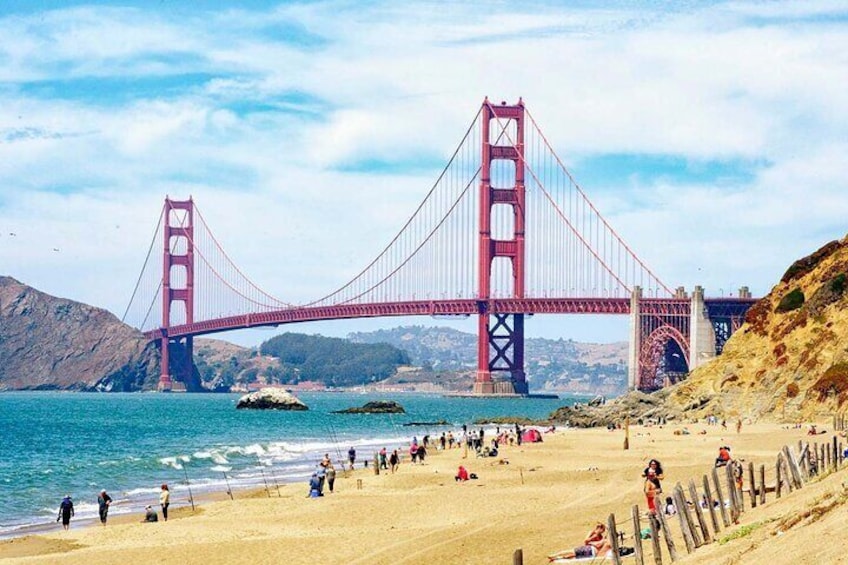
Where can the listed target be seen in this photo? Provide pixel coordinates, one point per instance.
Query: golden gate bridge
(504, 232)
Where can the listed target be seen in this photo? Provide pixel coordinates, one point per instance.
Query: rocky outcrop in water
(375, 407)
(49, 343)
(271, 399)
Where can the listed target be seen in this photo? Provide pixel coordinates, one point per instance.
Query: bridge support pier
(500, 349)
(165, 384)
(635, 340)
(702, 339)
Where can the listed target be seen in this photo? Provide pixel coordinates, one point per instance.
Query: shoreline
(543, 500)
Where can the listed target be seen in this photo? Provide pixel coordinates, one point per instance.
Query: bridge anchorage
(505, 232)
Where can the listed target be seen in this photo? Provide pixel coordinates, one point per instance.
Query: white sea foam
(221, 468)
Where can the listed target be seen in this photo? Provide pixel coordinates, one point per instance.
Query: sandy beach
(545, 499)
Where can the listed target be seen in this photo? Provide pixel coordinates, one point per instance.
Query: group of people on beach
(104, 502)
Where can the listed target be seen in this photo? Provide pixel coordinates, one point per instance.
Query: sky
(711, 135)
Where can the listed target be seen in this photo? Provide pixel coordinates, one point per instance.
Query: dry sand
(544, 500)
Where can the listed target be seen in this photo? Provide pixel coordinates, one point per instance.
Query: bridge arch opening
(663, 358)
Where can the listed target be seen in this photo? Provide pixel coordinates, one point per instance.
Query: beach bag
(645, 533)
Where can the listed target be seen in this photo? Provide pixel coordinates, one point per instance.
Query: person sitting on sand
(723, 456)
(595, 544)
(670, 508)
(812, 431)
(150, 514)
(461, 474)
(314, 486)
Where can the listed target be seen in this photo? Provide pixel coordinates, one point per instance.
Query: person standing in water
(165, 501)
(66, 511)
(103, 503)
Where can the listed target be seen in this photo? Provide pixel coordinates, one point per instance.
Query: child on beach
(394, 460)
(670, 508)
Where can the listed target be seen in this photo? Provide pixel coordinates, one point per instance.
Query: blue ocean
(72, 443)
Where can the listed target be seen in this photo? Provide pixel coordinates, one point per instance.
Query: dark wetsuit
(66, 510)
(103, 501)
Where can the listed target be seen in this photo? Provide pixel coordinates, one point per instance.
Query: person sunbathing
(595, 544)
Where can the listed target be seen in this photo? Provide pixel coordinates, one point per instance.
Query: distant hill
(49, 343)
(551, 365)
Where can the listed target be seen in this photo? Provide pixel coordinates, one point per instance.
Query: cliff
(789, 361)
(49, 343)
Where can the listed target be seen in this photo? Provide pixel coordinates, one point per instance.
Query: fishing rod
(188, 484)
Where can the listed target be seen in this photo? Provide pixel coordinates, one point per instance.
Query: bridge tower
(177, 282)
(500, 336)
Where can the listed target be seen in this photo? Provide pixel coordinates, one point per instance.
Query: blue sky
(712, 135)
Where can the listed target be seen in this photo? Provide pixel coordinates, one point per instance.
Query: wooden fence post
(762, 484)
(637, 536)
(720, 495)
(795, 474)
(669, 541)
(835, 453)
(711, 505)
(518, 557)
(752, 484)
(685, 519)
(732, 494)
(777, 467)
(699, 513)
(612, 532)
(802, 461)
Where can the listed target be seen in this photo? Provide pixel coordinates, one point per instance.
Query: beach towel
(596, 559)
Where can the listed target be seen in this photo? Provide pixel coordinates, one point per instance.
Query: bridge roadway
(459, 307)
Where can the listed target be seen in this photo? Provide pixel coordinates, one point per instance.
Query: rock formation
(271, 399)
(375, 407)
(49, 343)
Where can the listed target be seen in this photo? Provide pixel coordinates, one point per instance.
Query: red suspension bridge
(504, 232)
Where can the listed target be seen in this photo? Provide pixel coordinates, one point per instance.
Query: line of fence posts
(789, 474)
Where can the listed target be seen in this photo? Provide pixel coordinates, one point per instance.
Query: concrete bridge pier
(635, 342)
(702, 339)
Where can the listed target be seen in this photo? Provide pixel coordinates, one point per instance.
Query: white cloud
(380, 83)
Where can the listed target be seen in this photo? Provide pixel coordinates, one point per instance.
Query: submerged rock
(271, 399)
(375, 407)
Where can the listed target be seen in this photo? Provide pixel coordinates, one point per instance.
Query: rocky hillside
(788, 362)
(49, 343)
(790, 359)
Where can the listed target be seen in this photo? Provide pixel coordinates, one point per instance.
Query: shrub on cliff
(833, 383)
(792, 301)
(803, 266)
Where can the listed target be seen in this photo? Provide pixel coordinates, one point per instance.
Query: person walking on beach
(331, 476)
(66, 511)
(351, 456)
(103, 502)
(651, 495)
(165, 501)
(383, 459)
(394, 460)
(413, 452)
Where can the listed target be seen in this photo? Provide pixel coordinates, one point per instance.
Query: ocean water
(72, 443)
